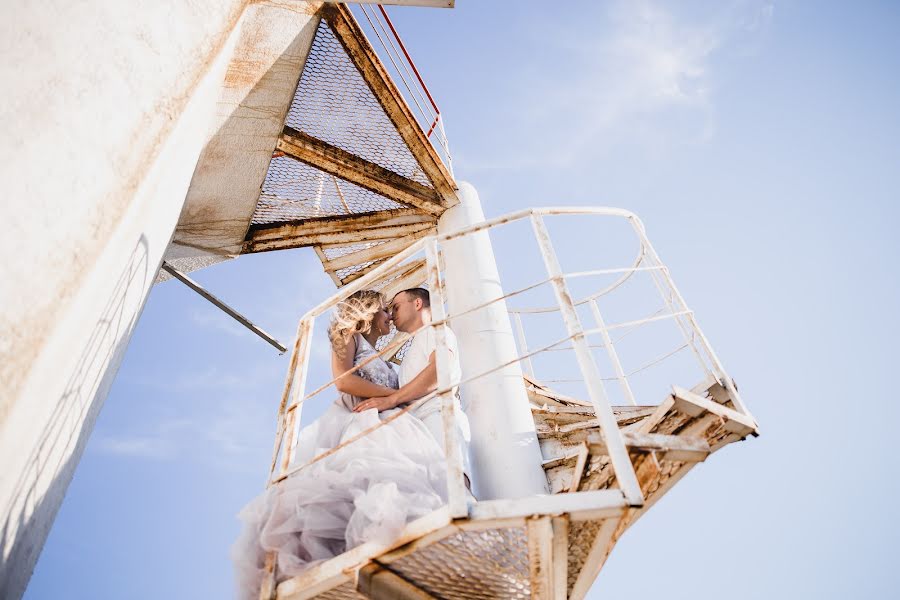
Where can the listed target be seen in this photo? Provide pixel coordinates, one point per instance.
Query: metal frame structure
(606, 464)
(353, 243)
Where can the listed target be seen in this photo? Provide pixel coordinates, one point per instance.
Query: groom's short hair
(420, 293)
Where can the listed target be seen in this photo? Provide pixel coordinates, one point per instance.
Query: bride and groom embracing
(371, 488)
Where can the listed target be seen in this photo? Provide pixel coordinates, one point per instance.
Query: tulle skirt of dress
(366, 491)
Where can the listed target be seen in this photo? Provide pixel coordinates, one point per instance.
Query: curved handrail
(417, 246)
(677, 309)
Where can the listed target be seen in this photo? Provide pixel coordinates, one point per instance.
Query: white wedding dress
(366, 491)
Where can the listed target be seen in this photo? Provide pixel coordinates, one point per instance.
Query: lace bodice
(376, 371)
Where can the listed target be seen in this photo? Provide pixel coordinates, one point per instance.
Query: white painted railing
(406, 269)
(408, 79)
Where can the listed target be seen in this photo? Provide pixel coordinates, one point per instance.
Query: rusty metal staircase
(521, 555)
(601, 480)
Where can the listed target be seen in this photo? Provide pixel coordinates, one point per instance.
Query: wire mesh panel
(385, 341)
(581, 538)
(334, 252)
(346, 591)
(347, 272)
(294, 190)
(409, 81)
(333, 103)
(472, 564)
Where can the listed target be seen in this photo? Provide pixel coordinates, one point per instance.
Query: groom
(410, 311)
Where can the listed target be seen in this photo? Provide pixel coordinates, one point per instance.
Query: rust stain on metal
(354, 41)
(338, 230)
(343, 164)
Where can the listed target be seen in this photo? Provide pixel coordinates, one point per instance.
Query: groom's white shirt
(419, 353)
(414, 362)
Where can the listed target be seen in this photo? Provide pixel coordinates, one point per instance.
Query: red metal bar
(433, 124)
(409, 58)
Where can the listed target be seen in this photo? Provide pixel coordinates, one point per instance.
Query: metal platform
(605, 465)
(542, 547)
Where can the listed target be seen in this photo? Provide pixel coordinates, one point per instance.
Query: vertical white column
(71, 361)
(505, 455)
(88, 224)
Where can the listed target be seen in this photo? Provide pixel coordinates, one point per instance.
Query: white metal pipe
(523, 344)
(618, 453)
(667, 298)
(446, 233)
(726, 380)
(223, 307)
(292, 431)
(288, 383)
(613, 355)
(505, 454)
(456, 491)
(575, 274)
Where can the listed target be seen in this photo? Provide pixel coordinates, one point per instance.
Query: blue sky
(760, 144)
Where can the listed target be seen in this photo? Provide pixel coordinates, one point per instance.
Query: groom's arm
(421, 385)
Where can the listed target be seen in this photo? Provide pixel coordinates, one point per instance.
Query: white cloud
(158, 442)
(213, 378)
(222, 434)
(211, 415)
(141, 447)
(652, 65)
(237, 426)
(214, 319)
(646, 78)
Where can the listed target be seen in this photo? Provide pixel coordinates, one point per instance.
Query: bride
(365, 491)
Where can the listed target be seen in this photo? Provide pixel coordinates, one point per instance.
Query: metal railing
(408, 78)
(406, 270)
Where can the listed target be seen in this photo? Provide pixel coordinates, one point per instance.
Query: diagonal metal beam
(225, 308)
(336, 238)
(425, 3)
(345, 229)
(378, 582)
(363, 55)
(414, 276)
(379, 252)
(336, 161)
(361, 273)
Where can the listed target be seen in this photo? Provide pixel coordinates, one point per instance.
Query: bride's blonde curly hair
(354, 315)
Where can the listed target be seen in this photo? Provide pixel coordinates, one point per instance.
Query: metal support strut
(227, 309)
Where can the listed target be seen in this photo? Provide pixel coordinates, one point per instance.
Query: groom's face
(403, 311)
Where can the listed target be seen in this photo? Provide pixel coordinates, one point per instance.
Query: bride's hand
(381, 403)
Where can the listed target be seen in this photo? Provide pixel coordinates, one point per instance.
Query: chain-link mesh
(294, 190)
(384, 340)
(346, 591)
(333, 252)
(581, 538)
(397, 274)
(479, 564)
(471, 565)
(333, 103)
(344, 273)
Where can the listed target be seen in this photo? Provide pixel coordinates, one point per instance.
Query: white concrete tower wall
(107, 106)
(269, 55)
(506, 457)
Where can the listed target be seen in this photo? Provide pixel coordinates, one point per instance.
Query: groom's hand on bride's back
(382, 403)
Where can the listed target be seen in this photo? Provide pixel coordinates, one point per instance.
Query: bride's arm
(421, 385)
(353, 384)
